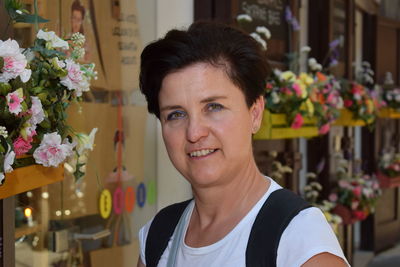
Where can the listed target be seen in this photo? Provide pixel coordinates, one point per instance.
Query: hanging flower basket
(346, 119)
(389, 113)
(30, 177)
(275, 126)
(388, 182)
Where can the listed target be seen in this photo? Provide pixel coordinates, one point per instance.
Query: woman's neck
(231, 200)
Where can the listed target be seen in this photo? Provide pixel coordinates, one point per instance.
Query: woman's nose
(197, 129)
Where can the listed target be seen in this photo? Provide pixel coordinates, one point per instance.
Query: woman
(206, 86)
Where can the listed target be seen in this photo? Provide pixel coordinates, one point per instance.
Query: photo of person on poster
(78, 12)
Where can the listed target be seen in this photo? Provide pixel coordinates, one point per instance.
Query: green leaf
(31, 19)
(5, 88)
(1, 63)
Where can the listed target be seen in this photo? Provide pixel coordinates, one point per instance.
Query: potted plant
(389, 170)
(355, 194)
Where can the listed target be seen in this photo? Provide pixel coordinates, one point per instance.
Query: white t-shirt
(306, 235)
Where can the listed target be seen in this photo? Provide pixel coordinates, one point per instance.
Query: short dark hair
(218, 44)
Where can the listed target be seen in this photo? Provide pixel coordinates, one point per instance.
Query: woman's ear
(256, 111)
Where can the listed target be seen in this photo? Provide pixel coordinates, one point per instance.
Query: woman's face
(76, 21)
(206, 124)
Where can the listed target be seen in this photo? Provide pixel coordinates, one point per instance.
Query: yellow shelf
(274, 126)
(346, 119)
(30, 177)
(389, 113)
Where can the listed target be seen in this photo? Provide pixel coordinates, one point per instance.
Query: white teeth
(201, 153)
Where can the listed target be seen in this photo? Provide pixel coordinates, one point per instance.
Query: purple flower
(291, 20)
(334, 43)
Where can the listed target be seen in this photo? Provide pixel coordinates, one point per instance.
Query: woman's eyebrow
(212, 98)
(170, 107)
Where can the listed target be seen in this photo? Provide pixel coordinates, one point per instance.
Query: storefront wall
(63, 211)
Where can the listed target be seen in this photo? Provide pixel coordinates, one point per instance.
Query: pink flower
(324, 128)
(348, 103)
(357, 191)
(51, 151)
(14, 102)
(359, 215)
(298, 121)
(21, 146)
(354, 204)
(333, 197)
(297, 89)
(14, 62)
(36, 111)
(75, 79)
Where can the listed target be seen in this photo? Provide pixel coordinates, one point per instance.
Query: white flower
(244, 17)
(52, 39)
(85, 142)
(9, 160)
(260, 40)
(264, 30)
(51, 152)
(3, 131)
(78, 39)
(397, 98)
(75, 79)
(2, 178)
(37, 111)
(305, 49)
(14, 62)
(275, 98)
(312, 61)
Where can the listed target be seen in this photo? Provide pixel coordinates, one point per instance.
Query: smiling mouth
(201, 153)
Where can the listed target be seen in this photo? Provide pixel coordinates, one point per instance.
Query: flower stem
(35, 5)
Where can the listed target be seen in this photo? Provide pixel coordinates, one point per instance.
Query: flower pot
(349, 216)
(346, 119)
(389, 113)
(388, 182)
(30, 177)
(275, 126)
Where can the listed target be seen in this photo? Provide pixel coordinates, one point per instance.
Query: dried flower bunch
(37, 85)
(312, 192)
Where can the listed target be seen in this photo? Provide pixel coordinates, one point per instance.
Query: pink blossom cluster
(15, 62)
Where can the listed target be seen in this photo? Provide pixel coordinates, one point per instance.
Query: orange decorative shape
(275, 126)
(30, 177)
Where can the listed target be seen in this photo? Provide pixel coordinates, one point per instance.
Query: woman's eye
(214, 107)
(175, 115)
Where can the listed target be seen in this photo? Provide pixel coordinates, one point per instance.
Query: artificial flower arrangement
(389, 170)
(308, 95)
(389, 165)
(37, 85)
(355, 195)
(361, 96)
(391, 93)
(312, 192)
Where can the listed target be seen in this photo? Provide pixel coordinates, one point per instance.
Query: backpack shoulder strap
(161, 230)
(275, 215)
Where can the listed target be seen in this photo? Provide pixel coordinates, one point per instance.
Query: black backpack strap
(275, 215)
(161, 230)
